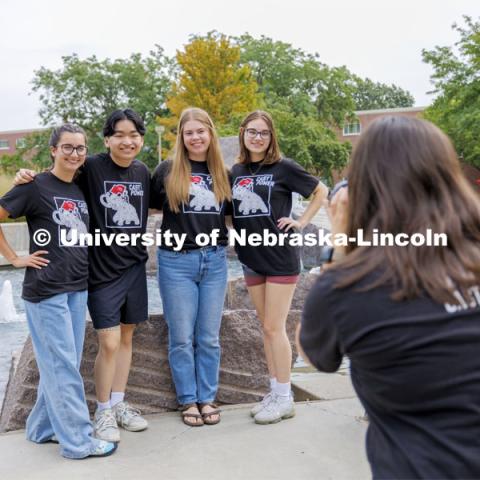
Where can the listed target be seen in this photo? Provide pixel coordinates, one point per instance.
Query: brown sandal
(186, 415)
(206, 416)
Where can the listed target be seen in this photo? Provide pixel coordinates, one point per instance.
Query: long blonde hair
(178, 180)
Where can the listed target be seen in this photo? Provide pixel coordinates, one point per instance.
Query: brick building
(351, 132)
(13, 139)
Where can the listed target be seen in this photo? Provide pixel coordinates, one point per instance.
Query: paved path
(324, 441)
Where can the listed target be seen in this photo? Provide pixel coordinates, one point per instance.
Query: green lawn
(6, 183)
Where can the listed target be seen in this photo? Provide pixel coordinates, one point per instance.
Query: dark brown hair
(405, 177)
(272, 154)
(57, 132)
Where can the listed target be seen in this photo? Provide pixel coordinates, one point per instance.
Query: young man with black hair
(116, 188)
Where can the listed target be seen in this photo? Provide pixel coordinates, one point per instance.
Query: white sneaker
(129, 418)
(276, 410)
(262, 404)
(103, 449)
(105, 426)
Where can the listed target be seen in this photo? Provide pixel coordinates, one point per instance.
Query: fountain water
(7, 308)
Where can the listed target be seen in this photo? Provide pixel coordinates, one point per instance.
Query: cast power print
(202, 198)
(251, 196)
(71, 215)
(123, 202)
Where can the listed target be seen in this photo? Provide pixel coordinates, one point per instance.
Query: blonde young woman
(263, 183)
(193, 191)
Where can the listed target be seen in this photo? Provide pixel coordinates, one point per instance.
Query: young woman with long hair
(407, 315)
(55, 294)
(262, 185)
(193, 191)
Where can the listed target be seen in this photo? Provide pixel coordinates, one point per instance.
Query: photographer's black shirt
(52, 205)
(201, 215)
(118, 200)
(262, 194)
(415, 366)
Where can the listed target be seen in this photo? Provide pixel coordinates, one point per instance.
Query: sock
(273, 383)
(282, 390)
(116, 397)
(103, 406)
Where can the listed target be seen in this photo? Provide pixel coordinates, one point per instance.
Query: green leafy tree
(306, 99)
(370, 95)
(306, 140)
(456, 80)
(292, 79)
(34, 154)
(86, 91)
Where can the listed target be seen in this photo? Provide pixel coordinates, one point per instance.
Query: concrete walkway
(326, 440)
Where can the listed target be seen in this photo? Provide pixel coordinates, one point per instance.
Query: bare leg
(124, 358)
(257, 294)
(105, 363)
(278, 299)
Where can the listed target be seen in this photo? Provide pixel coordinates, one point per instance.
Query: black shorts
(125, 300)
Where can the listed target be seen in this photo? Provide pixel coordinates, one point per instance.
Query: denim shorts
(124, 300)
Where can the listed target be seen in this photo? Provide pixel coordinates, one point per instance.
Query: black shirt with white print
(117, 199)
(415, 367)
(53, 205)
(262, 194)
(202, 213)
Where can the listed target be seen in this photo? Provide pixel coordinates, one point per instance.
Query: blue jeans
(192, 286)
(57, 328)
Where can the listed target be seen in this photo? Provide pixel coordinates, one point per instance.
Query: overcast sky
(379, 39)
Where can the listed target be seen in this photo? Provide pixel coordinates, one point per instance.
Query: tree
(456, 80)
(210, 77)
(306, 140)
(87, 91)
(34, 154)
(306, 99)
(292, 79)
(370, 95)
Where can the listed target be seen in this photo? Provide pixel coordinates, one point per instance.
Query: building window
(4, 145)
(20, 142)
(351, 129)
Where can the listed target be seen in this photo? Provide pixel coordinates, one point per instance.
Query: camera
(338, 186)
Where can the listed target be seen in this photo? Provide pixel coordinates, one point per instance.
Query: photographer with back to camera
(407, 317)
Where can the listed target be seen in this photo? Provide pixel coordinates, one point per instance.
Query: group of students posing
(112, 193)
(408, 317)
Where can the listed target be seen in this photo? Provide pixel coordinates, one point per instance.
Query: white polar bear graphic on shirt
(202, 197)
(250, 202)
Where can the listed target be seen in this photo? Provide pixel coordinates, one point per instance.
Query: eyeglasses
(252, 133)
(68, 149)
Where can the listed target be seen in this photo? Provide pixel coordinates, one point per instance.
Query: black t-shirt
(202, 214)
(52, 205)
(415, 366)
(118, 200)
(261, 196)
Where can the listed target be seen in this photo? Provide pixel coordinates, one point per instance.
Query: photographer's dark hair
(57, 132)
(119, 115)
(405, 177)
